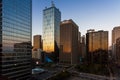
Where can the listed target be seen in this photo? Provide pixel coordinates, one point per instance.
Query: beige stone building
(37, 42)
(118, 51)
(97, 46)
(115, 36)
(69, 42)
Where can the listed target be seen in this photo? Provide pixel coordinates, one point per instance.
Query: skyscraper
(51, 31)
(37, 42)
(118, 51)
(82, 47)
(37, 47)
(115, 36)
(15, 38)
(69, 42)
(97, 46)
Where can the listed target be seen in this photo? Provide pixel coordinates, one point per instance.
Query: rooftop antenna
(52, 3)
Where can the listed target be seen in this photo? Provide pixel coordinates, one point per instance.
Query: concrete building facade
(69, 42)
(115, 36)
(37, 42)
(118, 52)
(97, 46)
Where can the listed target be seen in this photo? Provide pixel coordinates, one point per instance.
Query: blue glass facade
(15, 38)
(51, 29)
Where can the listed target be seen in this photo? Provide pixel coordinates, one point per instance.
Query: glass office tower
(15, 38)
(51, 30)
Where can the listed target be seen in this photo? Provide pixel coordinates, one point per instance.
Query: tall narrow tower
(51, 31)
(115, 36)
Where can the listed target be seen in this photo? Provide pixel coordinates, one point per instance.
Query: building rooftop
(70, 21)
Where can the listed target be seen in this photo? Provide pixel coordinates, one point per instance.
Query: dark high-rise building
(79, 37)
(15, 38)
(51, 31)
(118, 51)
(97, 46)
(37, 42)
(115, 36)
(69, 42)
(82, 49)
(79, 47)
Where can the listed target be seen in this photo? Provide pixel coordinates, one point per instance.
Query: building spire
(52, 3)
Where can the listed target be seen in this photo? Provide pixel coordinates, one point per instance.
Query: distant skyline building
(79, 37)
(83, 39)
(97, 46)
(82, 48)
(115, 36)
(37, 44)
(118, 51)
(69, 42)
(15, 39)
(51, 31)
(37, 48)
(79, 45)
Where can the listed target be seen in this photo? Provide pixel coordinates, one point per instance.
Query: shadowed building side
(82, 48)
(118, 51)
